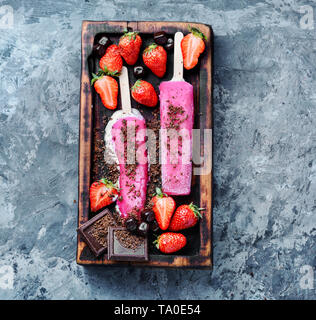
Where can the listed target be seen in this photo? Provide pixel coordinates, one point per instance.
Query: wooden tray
(198, 252)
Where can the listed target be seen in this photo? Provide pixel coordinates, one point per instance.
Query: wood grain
(90, 111)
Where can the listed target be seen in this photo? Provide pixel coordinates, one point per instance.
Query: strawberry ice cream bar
(176, 117)
(129, 139)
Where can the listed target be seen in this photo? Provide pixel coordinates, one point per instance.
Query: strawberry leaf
(156, 243)
(108, 183)
(196, 32)
(130, 34)
(136, 85)
(150, 48)
(106, 72)
(196, 210)
(95, 77)
(160, 194)
(114, 73)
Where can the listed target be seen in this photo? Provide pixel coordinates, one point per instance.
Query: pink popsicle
(176, 118)
(129, 138)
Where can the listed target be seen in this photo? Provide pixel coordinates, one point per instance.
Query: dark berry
(143, 229)
(105, 41)
(169, 44)
(101, 42)
(160, 37)
(154, 226)
(102, 38)
(99, 50)
(139, 71)
(98, 37)
(148, 216)
(131, 224)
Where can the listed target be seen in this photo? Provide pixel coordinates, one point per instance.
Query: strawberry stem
(130, 34)
(150, 48)
(136, 84)
(196, 210)
(108, 183)
(196, 32)
(104, 72)
(95, 77)
(156, 242)
(160, 194)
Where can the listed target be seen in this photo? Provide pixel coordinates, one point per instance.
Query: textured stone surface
(264, 152)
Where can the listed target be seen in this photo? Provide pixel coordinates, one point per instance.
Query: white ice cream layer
(109, 154)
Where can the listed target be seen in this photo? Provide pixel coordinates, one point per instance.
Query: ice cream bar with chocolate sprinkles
(129, 139)
(176, 116)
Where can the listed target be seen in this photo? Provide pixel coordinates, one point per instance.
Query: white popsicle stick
(178, 59)
(125, 91)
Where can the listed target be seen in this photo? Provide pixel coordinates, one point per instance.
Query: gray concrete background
(264, 152)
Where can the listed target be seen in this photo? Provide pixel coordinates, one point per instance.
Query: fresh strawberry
(155, 58)
(107, 88)
(170, 242)
(112, 60)
(143, 92)
(129, 45)
(192, 45)
(163, 207)
(102, 193)
(186, 216)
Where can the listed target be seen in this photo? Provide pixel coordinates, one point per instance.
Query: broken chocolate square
(95, 231)
(124, 246)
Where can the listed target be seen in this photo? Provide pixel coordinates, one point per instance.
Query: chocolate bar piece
(95, 231)
(124, 246)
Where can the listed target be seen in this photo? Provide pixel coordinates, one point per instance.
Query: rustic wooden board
(198, 253)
